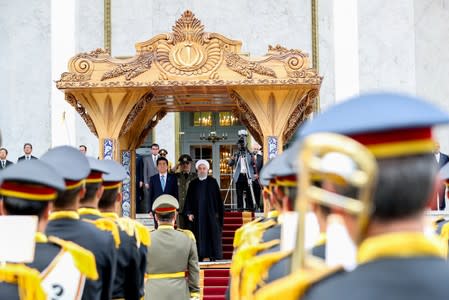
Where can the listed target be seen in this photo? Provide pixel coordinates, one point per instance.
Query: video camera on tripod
(242, 163)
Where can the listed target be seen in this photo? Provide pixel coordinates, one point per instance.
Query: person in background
(162, 183)
(441, 159)
(164, 153)
(184, 176)
(140, 203)
(149, 169)
(204, 209)
(83, 149)
(4, 162)
(258, 164)
(27, 149)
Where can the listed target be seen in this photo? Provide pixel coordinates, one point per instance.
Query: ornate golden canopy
(189, 69)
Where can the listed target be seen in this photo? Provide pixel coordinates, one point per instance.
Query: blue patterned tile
(126, 186)
(108, 147)
(272, 146)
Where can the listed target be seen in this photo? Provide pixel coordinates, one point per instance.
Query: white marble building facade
(364, 45)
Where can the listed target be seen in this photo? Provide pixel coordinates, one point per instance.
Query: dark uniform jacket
(128, 278)
(395, 266)
(395, 278)
(9, 291)
(100, 243)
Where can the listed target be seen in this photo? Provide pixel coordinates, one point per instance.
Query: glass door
(198, 152)
(227, 189)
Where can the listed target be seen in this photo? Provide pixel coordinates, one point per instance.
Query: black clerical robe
(203, 201)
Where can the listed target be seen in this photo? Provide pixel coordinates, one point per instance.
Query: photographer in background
(244, 173)
(258, 165)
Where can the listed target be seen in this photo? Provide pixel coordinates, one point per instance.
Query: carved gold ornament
(188, 50)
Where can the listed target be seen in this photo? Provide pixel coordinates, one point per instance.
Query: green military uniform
(171, 257)
(184, 180)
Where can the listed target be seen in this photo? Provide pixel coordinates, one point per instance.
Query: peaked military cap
(185, 158)
(116, 173)
(97, 169)
(386, 123)
(70, 163)
(31, 180)
(165, 204)
(163, 152)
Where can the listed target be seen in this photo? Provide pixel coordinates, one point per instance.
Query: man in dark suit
(27, 149)
(243, 163)
(139, 185)
(163, 182)
(258, 164)
(149, 169)
(441, 159)
(4, 162)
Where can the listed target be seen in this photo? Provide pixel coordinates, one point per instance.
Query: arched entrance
(188, 69)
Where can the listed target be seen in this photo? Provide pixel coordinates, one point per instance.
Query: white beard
(202, 177)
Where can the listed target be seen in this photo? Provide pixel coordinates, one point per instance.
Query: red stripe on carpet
(214, 291)
(216, 273)
(216, 281)
(233, 227)
(228, 233)
(233, 220)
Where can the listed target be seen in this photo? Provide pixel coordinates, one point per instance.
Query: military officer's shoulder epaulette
(143, 233)
(83, 258)
(189, 234)
(136, 229)
(28, 281)
(256, 269)
(241, 231)
(296, 284)
(444, 230)
(239, 260)
(107, 225)
(253, 235)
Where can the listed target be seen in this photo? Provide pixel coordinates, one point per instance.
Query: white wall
(432, 56)
(256, 23)
(25, 75)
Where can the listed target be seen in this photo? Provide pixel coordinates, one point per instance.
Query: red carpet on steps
(216, 280)
(232, 221)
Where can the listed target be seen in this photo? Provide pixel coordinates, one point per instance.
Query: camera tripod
(248, 177)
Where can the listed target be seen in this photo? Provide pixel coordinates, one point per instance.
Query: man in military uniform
(65, 222)
(164, 153)
(184, 176)
(30, 188)
(396, 260)
(128, 282)
(171, 257)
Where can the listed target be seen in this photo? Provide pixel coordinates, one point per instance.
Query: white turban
(202, 162)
